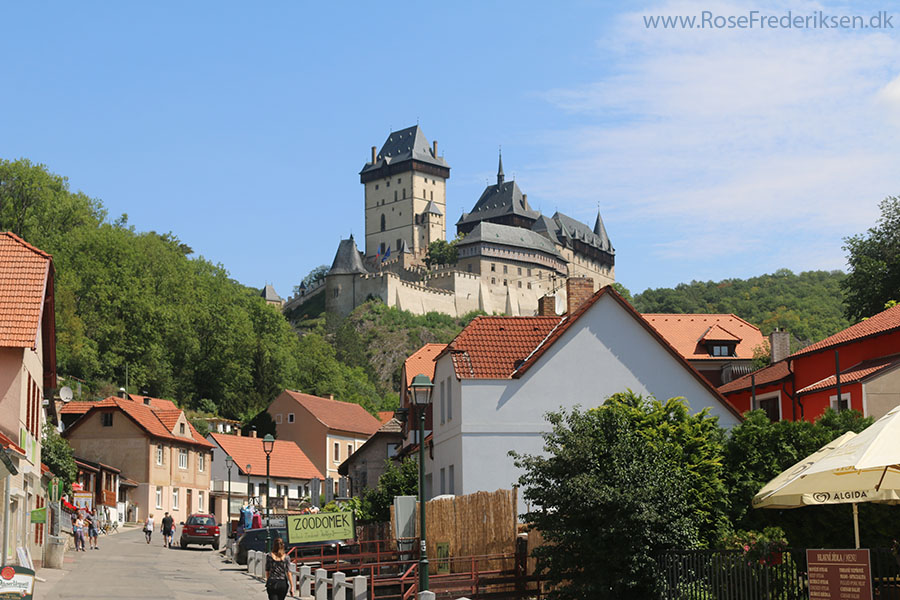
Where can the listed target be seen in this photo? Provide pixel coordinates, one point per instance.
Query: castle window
(504, 269)
(398, 243)
(520, 284)
(387, 183)
(505, 282)
(404, 193)
(432, 195)
(529, 285)
(399, 180)
(337, 292)
(376, 186)
(520, 270)
(382, 248)
(493, 280)
(469, 267)
(529, 272)
(395, 195)
(493, 267)
(382, 222)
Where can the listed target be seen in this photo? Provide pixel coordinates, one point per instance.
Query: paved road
(127, 567)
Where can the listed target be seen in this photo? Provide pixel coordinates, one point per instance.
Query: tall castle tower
(405, 194)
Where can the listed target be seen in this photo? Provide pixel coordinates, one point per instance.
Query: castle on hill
(509, 255)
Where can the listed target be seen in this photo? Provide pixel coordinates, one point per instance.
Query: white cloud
(745, 134)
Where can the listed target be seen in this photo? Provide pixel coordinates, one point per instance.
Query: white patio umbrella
(851, 469)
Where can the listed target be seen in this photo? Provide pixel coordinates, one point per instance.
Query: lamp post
(248, 469)
(268, 446)
(229, 462)
(421, 387)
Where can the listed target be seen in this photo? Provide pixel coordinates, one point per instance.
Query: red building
(861, 360)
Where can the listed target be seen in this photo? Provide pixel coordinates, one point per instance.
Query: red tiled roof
(287, 459)
(492, 347)
(155, 403)
(422, 361)
(883, 322)
(385, 415)
(334, 414)
(771, 374)
(76, 408)
(23, 283)
(688, 332)
(6, 442)
(855, 373)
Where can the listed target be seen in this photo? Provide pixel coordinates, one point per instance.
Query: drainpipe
(752, 391)
(794, 388)
(837, 377)
(6, 500)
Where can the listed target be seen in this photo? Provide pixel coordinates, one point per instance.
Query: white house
(495, 382)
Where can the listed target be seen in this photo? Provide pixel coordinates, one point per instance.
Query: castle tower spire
(500, 176)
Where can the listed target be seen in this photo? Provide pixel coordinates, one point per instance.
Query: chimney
(578, 291)
(434, 148)
(147, 401)
(123, 394)
(524, 198)
(547, 306)
(373, 155)
(779, 345)
(253, 433)
(331, 396)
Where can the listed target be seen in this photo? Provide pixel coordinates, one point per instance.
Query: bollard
(305, 578)
(251, 556)
(338, 591)
(321, 584)
(426, 595)
(260, 565)
(359, 587)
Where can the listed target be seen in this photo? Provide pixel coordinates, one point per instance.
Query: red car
(200, 529)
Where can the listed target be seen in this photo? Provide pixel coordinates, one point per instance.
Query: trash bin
(56, 550)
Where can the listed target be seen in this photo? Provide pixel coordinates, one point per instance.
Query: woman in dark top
(278, 579)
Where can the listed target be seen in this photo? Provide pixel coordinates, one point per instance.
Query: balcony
(238, 488)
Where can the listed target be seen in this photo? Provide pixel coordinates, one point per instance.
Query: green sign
(320, 527)
(56, 487)
(39, 515)
(16, 583)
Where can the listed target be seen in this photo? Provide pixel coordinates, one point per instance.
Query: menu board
(839, 575)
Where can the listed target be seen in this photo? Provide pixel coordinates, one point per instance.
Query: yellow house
(327, 430)
(153, 443)
(27, 369)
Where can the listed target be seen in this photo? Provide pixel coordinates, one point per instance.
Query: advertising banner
(39, 515)
(320, 527)
(16, 582)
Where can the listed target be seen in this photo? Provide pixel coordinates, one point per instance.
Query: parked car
(200, 529)
(255, 539)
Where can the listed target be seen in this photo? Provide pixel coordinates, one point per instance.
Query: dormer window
(721, 350)
(181, 429)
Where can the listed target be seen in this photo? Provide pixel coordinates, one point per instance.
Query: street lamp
(421, 387)
(229, 462)
(268, 446)
(248, 468)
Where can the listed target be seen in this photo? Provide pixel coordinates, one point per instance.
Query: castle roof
(406, 144)
(576, 230)
(504, 198)
(347, 259)
(432, 208)
(507, 235)
(269, 294)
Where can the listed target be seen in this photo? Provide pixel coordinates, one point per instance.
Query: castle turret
(341, 280)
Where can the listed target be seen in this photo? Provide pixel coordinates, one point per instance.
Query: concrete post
(359, 587)
(426, 595)
(321, 584)
(338, 591)
(305, 577)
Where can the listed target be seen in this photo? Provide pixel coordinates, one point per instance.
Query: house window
(449, 401)
(181, 428)
(200, 506)
(720, 350)
(159, 493)
(842, 404)
(182, 458)
(106, 419)
(349, 450)
(443, 408)
(452, 487)
(392, 450)
(443, 482)
(770, 404)
(252, 489)
(278, 419)
(159, 454)
(175, 498)
(337, 452)
(201, 461)
(290, 417)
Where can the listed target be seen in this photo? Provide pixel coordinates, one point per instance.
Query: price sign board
(839, 575)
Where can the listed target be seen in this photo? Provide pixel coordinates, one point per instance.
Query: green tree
(874, 259)
(607, 503)
(397, 480)
(313, 277)
(442, 252)
(57, 454)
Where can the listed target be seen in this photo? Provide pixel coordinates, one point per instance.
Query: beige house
(27, 369)
(157, 447)
(366, 466)
(327, 430)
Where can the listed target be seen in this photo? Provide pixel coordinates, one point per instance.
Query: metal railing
(729, 575)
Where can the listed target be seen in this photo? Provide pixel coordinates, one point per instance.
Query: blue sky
(242, 127)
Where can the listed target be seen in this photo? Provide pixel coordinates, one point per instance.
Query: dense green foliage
(57, 454)
(874, 259)
(606, 502)
(808, 305)
(397, 480)
(442, 252)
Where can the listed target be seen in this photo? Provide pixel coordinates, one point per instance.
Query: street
(127, 567)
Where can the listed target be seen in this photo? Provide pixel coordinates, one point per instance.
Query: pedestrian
(78, 531)
(278, 579)
(168, 524)
(257, 519)
(93, 534)
(148, 527)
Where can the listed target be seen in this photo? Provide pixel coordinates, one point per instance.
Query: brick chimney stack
(253, 433)
(578, 291)
(373, 154)
(547, 306)
(779, 345)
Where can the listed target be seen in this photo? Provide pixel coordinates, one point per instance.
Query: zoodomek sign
(320, 527)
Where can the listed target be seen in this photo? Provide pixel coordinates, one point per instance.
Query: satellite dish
(65, 394)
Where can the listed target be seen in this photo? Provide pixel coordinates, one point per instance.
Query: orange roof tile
(492, 347)
(24, 271)
(884, 322)
(334, 414)
(76, 407)
(688, 333)
(422, 361)
(156, 403)
(771, 374)
(385, 415)
(287, 459)
(856, 373)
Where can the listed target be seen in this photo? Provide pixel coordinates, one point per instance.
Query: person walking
(148, 527)
(278, 573)
(168, 525)
(93, 534)
(78, 531)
